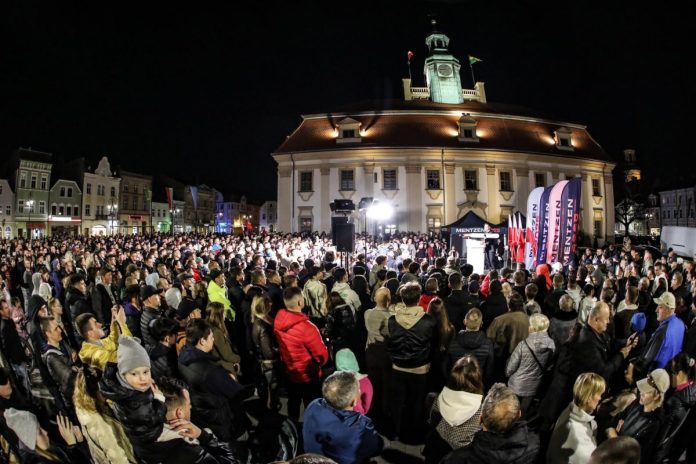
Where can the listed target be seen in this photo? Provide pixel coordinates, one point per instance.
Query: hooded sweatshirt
(461, 416)
(348, 295)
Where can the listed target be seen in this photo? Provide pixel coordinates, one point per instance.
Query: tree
(627, 212)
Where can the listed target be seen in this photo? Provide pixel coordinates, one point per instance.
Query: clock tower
(441, 69)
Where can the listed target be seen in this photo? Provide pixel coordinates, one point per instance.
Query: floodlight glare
(380, 211)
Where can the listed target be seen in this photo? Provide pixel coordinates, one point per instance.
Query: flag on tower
(474, 60)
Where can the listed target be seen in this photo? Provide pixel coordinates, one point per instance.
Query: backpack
(275, 438)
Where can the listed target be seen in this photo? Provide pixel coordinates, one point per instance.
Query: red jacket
(301, 348)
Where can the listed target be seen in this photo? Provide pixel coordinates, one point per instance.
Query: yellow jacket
(219, 294)
(97, 356)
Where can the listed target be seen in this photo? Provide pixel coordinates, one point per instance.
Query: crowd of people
(262, 348)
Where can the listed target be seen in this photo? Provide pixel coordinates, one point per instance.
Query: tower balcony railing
(423, 93)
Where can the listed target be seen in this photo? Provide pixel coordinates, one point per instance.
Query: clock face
(444, 70)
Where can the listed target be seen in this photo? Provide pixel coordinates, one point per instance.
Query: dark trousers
(301, 393)
(379, 373)
(408, 404)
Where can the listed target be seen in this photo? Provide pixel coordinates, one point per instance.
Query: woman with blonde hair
(108, 442)
(574, 437)
(222, 348)
(266, 350)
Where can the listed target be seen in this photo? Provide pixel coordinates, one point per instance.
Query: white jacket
(348, 295)
(573, 437)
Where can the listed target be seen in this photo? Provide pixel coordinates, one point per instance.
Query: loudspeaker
(343, 205)
(344, 237)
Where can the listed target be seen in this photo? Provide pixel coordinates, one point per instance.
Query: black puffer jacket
(474, 343)
(340, 327)
(163, 361)
(146, 317)
(78, 304)
(141, 415)
(516, 446)
(208, 451)
(209, 409)
(411, 337)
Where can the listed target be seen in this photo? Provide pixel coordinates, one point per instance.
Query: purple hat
(638, 322)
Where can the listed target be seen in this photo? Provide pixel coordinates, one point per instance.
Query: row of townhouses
(41, 196)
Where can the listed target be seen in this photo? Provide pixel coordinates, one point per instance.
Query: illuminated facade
(434, 156)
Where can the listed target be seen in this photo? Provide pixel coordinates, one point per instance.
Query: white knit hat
(24, 425)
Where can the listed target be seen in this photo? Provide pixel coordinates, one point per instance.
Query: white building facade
(439, 153)
(100, 200)
(7, 201)
(268, 216)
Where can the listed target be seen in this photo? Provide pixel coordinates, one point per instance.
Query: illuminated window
(596, 190)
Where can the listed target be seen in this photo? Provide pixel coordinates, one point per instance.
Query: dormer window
(348, 131)
(467, 129)
(563, 139)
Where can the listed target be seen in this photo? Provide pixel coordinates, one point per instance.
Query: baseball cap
(186, 307)
(148, 290)
(657, 380)
(666, 299)
(215, 273)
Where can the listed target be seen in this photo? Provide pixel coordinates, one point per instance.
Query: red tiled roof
(426, 124)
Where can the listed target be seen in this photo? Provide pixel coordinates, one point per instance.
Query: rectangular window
(44, 182)
(347, 180)
(69, 192)
(389, 179)
(135, 202)
(42, 207)
(87, 210)
(20, 206)
(62, 191)
(23, 180)
(54, 210)
(505, 181)
(8, 210)
(540, 179)
(564, 142)
(125, 202)
(434, 223)
(0, 189)
(468, 133)
(88, 189)
(61, 210)
(471, 180)
(68, 210)
(433, 176)
(596, 191)
(125, 187)
(76, 210)
(113, 191)
(348, 133)
(306, 181)
(33, 181)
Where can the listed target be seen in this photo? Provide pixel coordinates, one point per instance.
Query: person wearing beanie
(346, 361)
(34, 444)
(136, 401)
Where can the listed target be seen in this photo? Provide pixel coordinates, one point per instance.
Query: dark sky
(206, 94)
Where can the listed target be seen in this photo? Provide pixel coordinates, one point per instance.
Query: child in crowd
(586, 303)
(431, 289)
(346, 361)
(135, 399)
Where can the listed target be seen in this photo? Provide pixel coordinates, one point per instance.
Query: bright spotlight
(380, 211)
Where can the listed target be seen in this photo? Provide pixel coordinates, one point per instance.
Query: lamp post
(30, 205)
(112, 213)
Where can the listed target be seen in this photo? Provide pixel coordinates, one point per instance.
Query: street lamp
(30, 205)
(112, 212)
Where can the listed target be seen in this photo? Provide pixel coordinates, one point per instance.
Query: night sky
(206, 94)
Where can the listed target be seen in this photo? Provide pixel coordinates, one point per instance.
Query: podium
(475, 254)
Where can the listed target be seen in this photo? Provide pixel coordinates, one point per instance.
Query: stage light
(380, 211)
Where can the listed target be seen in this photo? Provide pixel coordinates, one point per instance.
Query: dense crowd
(185, 348)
